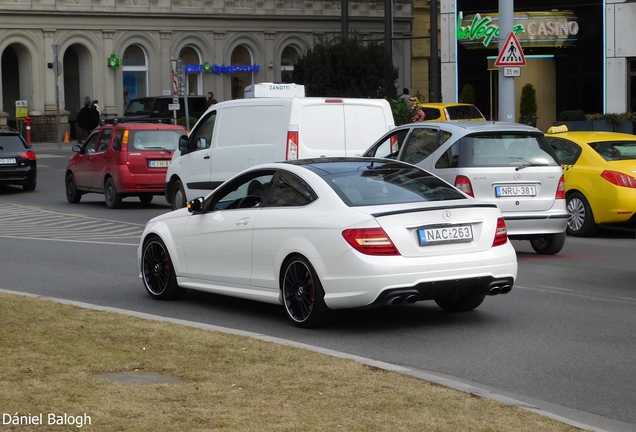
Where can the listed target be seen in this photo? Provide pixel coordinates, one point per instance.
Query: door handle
(242, 222)
(206, 157)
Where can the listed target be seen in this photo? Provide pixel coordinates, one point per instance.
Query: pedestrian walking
(405, 96)
(83, 120)
(211, 101)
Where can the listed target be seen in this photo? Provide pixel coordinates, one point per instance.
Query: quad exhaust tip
(503, 289)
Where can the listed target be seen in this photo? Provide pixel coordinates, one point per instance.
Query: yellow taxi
(599, 170)
(439, 111)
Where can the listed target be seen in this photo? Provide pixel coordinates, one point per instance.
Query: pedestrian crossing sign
(511, 53)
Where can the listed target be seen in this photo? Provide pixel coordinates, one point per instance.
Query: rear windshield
(139, 107)
(506, 149)
(431, 113)
(11, 143)
(390, 185)
(154, 139)
(615, 150)
(463, 112)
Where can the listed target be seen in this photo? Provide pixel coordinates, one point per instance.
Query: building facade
(580, 54)
(114, 50)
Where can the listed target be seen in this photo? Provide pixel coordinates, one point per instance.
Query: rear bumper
(18, 175)
(130, 184)
(534, 224)
(354, 280)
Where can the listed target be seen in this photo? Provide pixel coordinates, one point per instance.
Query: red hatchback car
(121, 160)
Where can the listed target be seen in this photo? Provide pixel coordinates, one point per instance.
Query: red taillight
(501, 234)
(619, 179)
(394, 144)
(292, 145)
(560, 193)
(370, 241)
(28, 155)
(463, 184)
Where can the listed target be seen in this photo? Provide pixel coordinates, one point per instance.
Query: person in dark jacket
(83, 120)
(94, 115)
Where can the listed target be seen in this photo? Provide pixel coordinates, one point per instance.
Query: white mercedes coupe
(318, 235)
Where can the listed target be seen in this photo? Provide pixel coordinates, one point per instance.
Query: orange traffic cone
(66, 138)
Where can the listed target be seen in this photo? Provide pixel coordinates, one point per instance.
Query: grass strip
(50, 353)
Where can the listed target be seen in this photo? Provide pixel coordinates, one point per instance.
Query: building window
(193, 81)
(241, 56)
(287, 60)
(134, 73)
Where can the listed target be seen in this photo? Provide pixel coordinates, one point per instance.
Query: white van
(274, 122)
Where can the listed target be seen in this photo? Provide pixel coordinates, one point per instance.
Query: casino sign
(532, 29)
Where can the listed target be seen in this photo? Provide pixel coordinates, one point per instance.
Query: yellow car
(435, 111)
(598, 168)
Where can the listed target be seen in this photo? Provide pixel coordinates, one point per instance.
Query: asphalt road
(564, 339)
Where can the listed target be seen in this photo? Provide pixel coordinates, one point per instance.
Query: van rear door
(321, 127)
(365, 122)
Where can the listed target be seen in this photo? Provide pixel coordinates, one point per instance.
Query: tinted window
(463, 112)
(104, 139)
(201, 137)
(247, 191)
(89, 146)
(421, 143)
(160, 108)
(290, 190)
(390, 146)
(615, 150)
(566, 151)
(117, 140)
(390, 185)
(197, 106)
(11, 143)
(154, 139)
(505, 149)
(139, 107)
(431, 113)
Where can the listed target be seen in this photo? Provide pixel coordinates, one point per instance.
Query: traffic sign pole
(506, 83)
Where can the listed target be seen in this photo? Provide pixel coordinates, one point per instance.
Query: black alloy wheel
(157, 271)
(303, 295)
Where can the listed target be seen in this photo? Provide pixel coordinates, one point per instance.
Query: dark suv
(18, 165)
(155, 108)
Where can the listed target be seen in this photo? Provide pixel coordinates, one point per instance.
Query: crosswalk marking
(25, 222)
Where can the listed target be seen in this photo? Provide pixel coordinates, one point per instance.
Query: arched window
(287, 60)
(134, 73)
(194, 80)
(241, 56)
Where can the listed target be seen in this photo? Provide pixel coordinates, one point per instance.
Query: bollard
(27, 123)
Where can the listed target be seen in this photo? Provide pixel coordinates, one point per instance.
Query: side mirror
(195, 206)
(183, 143)
(77, 148)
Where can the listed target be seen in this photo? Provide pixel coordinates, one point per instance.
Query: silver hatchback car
(508, 164)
